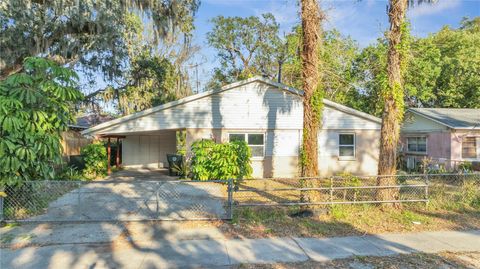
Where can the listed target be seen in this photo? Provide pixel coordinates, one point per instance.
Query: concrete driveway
(126, 196)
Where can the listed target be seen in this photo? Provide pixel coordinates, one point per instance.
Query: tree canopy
(245, 46)
(35, 107)
(88, 34)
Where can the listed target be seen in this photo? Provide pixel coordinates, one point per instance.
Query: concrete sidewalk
(221, 252)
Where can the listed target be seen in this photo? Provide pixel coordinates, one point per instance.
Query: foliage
(152, 80)
(431, 77)
(183, 169)
(245, 46)
(70, 173)
(35, 107)
(88, 34)
(153, 75)
(220, 161)
(95, 157)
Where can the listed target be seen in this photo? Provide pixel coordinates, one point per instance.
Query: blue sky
(364, 21)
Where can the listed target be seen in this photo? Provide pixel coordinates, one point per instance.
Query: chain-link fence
(351, 189)
(73, 201)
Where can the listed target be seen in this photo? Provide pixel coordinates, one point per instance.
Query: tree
(35, 107)
(313, 92)
(153, 75)
(392, 97)
(337, 55)
(431, 76)
(245, 46)
(86, 34)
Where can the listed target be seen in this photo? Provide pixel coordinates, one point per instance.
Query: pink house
(446, 136)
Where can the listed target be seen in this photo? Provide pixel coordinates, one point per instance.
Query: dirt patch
(419, 260)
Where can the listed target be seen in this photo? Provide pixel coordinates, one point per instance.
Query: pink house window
(417, 144)
(469, 147)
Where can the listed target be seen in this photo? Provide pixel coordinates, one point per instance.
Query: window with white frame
(417, 144)
(346, 145)
(469, 148)
(255, 141)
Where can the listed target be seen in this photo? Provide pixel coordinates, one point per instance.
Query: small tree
(36, 105)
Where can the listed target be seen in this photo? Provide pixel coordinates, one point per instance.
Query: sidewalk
(223, 252)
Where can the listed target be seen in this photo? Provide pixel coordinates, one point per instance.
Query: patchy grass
(343, 220)
(445, 260)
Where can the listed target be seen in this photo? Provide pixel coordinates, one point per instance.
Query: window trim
(246, 141)
(476, 139)
(348, 158)
(417, 152)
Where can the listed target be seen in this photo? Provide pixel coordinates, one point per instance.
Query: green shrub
(212, 161)
(70, 173)
(95, 157)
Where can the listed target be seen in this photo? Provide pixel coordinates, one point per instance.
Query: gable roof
(223, 89)
(455, 118)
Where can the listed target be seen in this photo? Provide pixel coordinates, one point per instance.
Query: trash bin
(174, 160)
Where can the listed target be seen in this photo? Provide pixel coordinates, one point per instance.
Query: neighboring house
(446, 136)
(268, 115)
(73, 140)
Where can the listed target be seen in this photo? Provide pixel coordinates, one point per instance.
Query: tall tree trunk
(312, 101)
(393, 106)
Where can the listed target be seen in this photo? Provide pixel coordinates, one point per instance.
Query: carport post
(109, 153)
(117, 160)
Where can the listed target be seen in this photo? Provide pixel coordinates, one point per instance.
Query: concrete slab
(338, 247)
(417, 242)
(67, 233)
(188, 253)
(459, 240)
(264, 251)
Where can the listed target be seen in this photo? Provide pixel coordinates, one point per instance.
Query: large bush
(95, 157)
(214, 161)
(36, 106)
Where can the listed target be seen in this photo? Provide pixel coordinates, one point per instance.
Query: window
(346, 146)
(417, 144)
(469, 147)
(256, 142)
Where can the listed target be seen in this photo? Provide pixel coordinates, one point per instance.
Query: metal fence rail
(74, 201)
(347, 189)
(137, 200)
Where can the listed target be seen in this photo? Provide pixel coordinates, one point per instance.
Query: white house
(268, 115)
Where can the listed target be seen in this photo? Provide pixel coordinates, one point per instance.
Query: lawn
(453, 205)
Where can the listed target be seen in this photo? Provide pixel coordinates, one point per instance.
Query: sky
(363, 20)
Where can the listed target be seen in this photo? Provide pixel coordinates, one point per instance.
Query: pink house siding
(438, 144)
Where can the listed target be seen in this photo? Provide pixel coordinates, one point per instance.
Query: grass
(343, 220)
(452, 206)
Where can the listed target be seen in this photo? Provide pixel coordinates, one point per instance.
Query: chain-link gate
(74, 201)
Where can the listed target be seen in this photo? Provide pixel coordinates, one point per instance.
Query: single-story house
(446, 136)
(267, 114)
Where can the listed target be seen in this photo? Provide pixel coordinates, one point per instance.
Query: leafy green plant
(36, 105)
(182, 169)
(220, 161)
(70, 173)
(95, 157)
(465, 167)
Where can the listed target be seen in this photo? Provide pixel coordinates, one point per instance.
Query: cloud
(286, 12)
(434, 8)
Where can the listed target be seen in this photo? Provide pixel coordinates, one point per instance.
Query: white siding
(252, 106)
(148, 150)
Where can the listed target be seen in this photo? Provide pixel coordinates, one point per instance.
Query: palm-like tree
(312, 99)
(393, 97)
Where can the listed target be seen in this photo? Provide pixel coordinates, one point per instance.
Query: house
(445, 136)
(73, 141)
(268, 115)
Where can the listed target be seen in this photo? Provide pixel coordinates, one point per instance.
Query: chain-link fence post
(230, 198)
(1, 207)
(426, 190)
